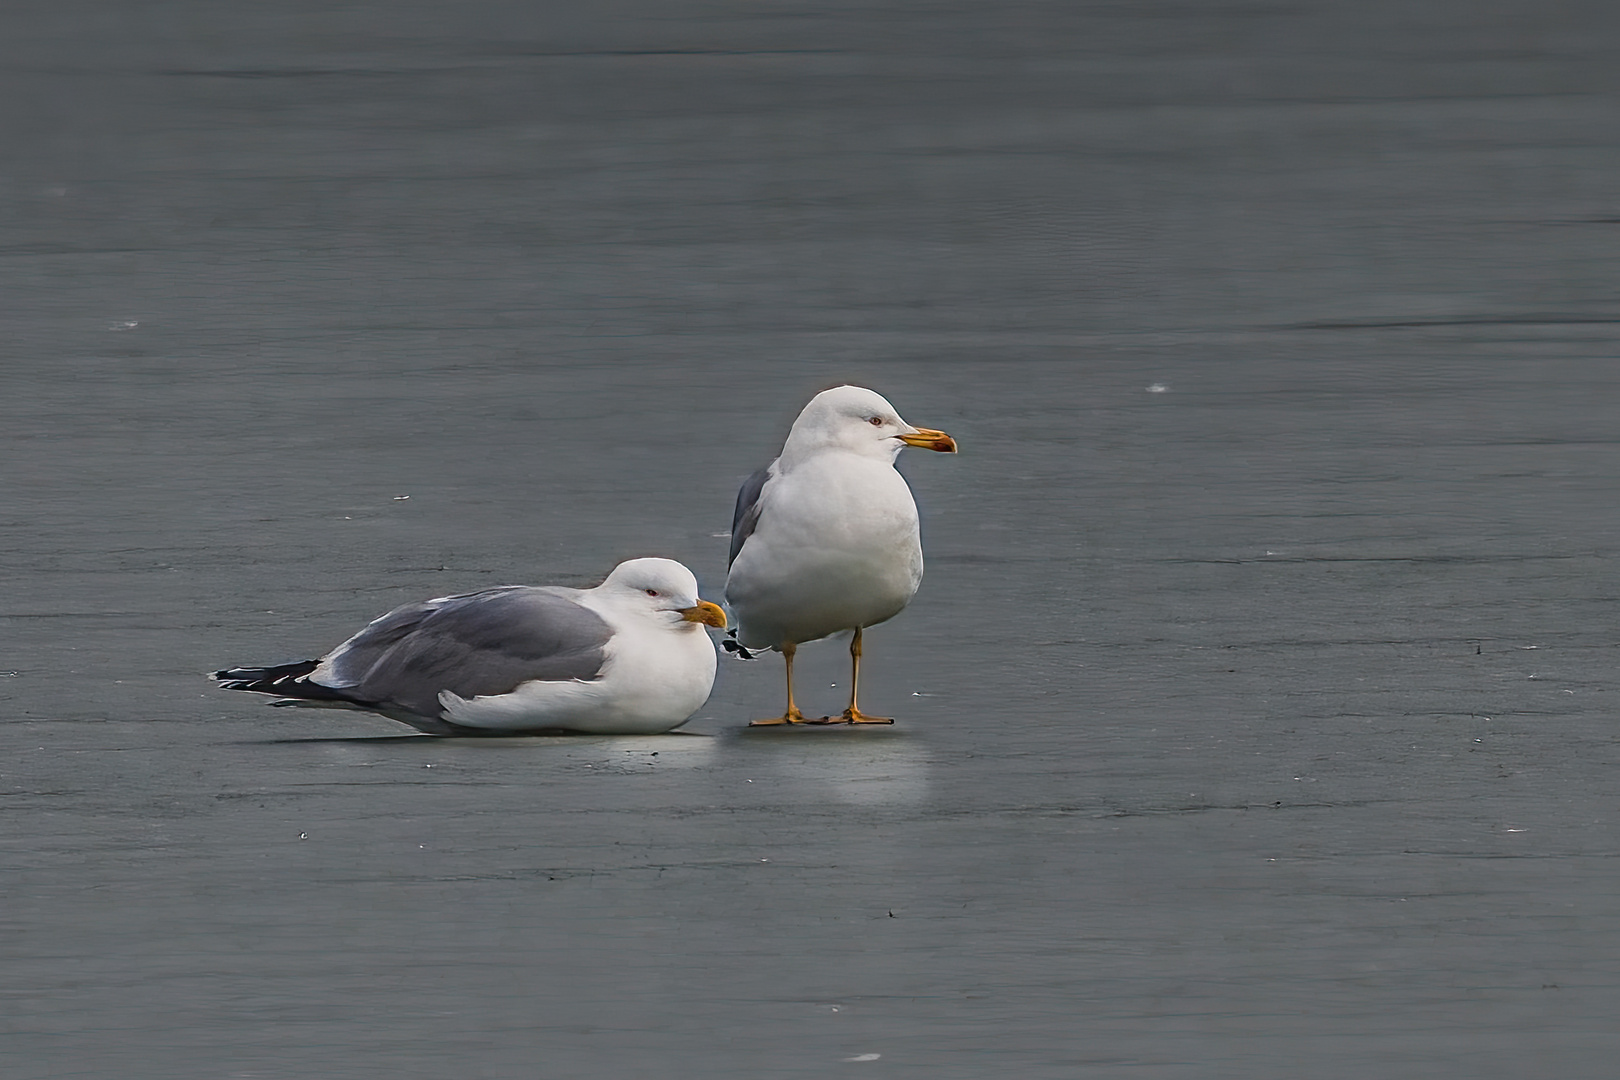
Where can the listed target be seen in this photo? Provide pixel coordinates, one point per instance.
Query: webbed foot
(854, 716)
(792, 716)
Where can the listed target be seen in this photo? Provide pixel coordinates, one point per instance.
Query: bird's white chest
(836, 547)
(850, 503)
(653, 670)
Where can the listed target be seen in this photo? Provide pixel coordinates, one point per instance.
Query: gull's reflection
(600, 753)
(863, 771)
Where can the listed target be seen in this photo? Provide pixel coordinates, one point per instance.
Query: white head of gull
(825, 539)
(626, 657)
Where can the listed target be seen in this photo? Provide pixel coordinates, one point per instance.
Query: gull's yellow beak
(706, 613)
(929, 439)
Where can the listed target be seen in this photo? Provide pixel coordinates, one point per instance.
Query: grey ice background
(1257, 726)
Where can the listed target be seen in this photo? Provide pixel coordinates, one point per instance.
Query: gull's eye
(875, 421)
(652, 592)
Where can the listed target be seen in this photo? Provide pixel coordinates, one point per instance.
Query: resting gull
(824, 539)
(627, 657)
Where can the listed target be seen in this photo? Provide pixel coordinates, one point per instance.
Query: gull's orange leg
(853, 714)
(793, 715)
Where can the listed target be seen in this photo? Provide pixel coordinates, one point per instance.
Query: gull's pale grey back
(474, 645)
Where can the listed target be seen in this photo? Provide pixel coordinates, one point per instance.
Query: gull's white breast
(836, 547)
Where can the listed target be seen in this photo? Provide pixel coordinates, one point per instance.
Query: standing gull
(824, 538)
(628, 657)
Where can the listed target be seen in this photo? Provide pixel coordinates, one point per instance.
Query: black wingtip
(735, 647)
(284, 679)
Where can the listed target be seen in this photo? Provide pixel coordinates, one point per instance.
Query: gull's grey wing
(746, 516)
(472, 645)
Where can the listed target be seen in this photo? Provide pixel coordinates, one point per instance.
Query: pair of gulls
(824, 539)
